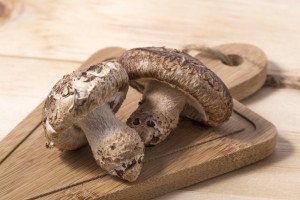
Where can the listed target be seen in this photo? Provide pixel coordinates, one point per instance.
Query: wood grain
(71, 30)
(245, 139)
(173, 164)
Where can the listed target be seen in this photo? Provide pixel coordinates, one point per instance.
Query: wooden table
(42, 40)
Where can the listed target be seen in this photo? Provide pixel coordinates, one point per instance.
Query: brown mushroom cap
(79, 93)
(208, 99)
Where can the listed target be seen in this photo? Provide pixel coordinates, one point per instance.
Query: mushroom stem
(158, 112)
(117, 148)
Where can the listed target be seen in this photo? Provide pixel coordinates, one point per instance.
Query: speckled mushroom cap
(79, 93)
(208, 99)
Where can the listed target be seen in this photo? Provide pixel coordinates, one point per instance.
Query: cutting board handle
(243, 78)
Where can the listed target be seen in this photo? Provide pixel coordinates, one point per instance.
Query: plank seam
(23, 140)
(146, 161)
(41, 58)
(66, 187)
(195, 145)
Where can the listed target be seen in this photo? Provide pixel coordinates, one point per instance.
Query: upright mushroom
(173, 83)
(81, 106)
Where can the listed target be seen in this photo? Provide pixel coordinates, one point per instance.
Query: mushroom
(80, 108)
(173, 83)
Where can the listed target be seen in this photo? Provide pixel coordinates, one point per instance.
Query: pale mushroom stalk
(159, 112)
(80, 108)
(105, 135)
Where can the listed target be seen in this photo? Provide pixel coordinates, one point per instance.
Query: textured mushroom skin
(122, 145)
(185, 72)
(119, 150)
(74, 95)
(152, 135)
(157, 114)
(95, 94)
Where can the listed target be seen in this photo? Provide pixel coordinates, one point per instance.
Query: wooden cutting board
(192, 154)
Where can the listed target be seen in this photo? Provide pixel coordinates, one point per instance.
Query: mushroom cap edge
(204, 89)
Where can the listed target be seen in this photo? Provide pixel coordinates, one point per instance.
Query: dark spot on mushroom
(93, 67)
(136, 121)
(119, 172)
(55, 116)
(136, 146)
(113, 147)
(140, 159)
(111, 104)
(123, 165)
(123, 88)
(140, 103)
(77, 128)
(131, 165)
(83, 74)
(150, 123)
(154, 139)
(150, 145)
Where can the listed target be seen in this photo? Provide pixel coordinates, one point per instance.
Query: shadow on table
(278, 80)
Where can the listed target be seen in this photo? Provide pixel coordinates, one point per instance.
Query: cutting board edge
(189, 176)
(16, 137)
(263, 149)
(194, 174)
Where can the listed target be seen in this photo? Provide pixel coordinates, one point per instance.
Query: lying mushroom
(173, 83)
(81, 106)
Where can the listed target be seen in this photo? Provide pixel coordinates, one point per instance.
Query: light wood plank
(73, 29)
(25, 83)
(188, 195)
(280, 106)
